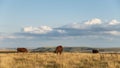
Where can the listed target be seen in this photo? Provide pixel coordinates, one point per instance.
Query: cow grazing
(22, 50)
(59, 49)
(95, 51)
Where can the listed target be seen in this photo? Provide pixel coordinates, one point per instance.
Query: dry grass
(66, 60)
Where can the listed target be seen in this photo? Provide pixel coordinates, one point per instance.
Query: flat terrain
(52, 60)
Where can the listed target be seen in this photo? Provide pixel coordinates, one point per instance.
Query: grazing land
(66, 60)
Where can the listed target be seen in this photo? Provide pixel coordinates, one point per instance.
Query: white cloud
(116, 33)
(37, 30)
(75, 26)
(28, 29)
(84, 25)
(93, 21)
(61, 31)
(114, 22)
(72, 25)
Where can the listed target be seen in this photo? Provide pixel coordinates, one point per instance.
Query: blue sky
(35, 23)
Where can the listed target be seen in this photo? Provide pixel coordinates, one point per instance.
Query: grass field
(66, 60)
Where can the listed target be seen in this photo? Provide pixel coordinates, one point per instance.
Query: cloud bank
(90, 32)
(93, 27)
(88, 28)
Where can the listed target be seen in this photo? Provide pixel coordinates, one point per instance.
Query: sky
(47, 23)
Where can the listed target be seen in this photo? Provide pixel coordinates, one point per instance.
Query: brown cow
(95, 51)
(59, 49)
(22, 50)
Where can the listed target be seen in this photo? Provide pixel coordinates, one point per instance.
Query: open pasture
(66, 60)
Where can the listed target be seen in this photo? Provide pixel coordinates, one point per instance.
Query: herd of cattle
(58, 50)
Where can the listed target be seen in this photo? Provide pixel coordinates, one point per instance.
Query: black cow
(22, 50)
(95, 51)
(59, 49)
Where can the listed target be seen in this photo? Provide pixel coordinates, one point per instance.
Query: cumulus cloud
(113, 22)
(93, 27)
(93, 21)
(43, 30)
(37, 30)
(84, 25)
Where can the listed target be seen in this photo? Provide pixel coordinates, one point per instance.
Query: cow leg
(60, 53)
(57, 52)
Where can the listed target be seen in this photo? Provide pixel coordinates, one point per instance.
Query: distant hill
(76, 49)
(68, 49)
